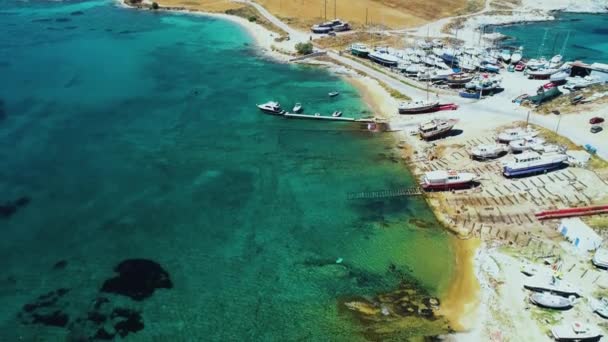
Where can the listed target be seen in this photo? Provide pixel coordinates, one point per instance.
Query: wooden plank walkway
(414, 191)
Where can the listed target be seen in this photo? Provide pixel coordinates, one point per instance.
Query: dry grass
(563, 105)
(342, 42)
(250, 13)
(390, 13)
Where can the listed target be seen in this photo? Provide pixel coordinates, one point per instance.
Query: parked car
(595, 129)
(596, 120)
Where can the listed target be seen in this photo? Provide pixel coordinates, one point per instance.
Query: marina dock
(328, 118)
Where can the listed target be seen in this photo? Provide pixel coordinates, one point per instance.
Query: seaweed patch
(137, 279)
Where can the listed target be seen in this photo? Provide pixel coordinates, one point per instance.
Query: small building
(579, 234)
(598, 70)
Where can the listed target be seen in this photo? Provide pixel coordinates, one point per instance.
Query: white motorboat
(297, 108)
(544, 283)
(383, 57)
(551, 301)
(526, 144)
(447, 180)
(271, 107)
(533, 163)
(423, 44)
(488, 151)
(556, 61)
(548, 148)
(600, 306)
(516, 56)
(535, 64)
(600, 258)
(436, 128)
(359, 49)
(505, 55)
(416, 107)
(333, 94)
(516, 134)
(437, 43)
(577, 82)
(413, 69)
(560, 76)
(541, 73)
(336, 114)
(576, 331)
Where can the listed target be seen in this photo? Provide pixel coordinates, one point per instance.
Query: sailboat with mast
(419, 106)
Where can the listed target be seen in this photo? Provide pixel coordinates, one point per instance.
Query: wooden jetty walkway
(329, 118)
(413, 191)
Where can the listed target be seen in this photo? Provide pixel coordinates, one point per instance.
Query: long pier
(414, 191)
(328, 118)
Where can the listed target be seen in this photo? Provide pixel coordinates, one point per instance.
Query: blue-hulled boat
(470, 94)
(529, 163)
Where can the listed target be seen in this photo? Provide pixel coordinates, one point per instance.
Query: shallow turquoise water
(580, 36)
(135, 135)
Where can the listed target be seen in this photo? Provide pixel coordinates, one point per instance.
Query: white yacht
(526, 144)
(578, 82)
(576, 331)
(551, 301)
(447, 180)
(516, 56)
(416, 107)
(271, 107)
(544, 283)
(383, 57)
(435, 128)
(516, 134)
(556, 61)
(532, 163)
(488, 151)
(535, 64)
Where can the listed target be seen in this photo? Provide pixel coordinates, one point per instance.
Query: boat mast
(325, 13)
(335, 7)
(563, 50)
(542, 44)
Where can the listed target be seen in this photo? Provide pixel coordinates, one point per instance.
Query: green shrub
(304, 48)
(154, 6)
(252, 18)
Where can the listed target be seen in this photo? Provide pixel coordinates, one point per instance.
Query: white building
(579, 234)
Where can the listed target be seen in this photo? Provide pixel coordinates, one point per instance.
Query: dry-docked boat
(560, 76)
(532, 163)
(577, 82)
(516, 56)
(516, 134)
(435, 128)
(271, 107)
(381, 56)
(416, 107)
(544, 284)
(600, 306)
(541, 73)
(526, 144)
(459, 78)
(576, 331)
(359, 49)
(535, 64)
(550, 301)
(556, 61)
(600, 258)
(447, 180)
(488, 151)
(505, 55)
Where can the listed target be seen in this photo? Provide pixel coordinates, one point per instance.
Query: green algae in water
(136, 136)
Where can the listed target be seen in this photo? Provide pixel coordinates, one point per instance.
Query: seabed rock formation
(104, 319)
(138, 279)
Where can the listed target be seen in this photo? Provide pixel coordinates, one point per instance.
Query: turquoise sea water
(582, 37)
(134, 135)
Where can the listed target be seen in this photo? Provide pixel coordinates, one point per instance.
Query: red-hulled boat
(447, 180)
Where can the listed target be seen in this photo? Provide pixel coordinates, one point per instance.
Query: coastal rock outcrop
(8, 209)
(137, 279)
